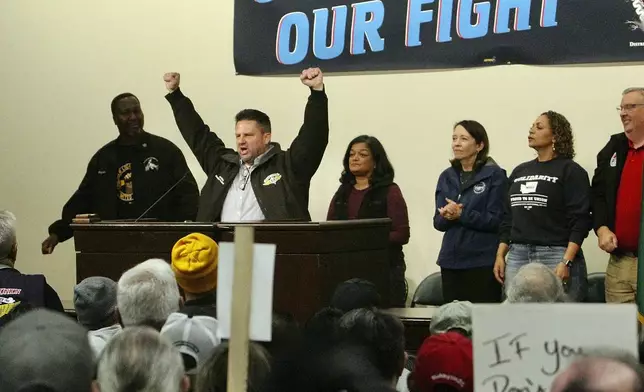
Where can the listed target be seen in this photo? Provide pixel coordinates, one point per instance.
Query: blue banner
(285, 36)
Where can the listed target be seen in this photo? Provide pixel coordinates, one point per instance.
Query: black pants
(476, 285)
(398, 286)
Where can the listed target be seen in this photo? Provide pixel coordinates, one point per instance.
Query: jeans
(521, 254)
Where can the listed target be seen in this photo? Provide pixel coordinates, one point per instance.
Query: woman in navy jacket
(469, 210)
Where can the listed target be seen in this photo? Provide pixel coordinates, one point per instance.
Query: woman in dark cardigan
(368, 191)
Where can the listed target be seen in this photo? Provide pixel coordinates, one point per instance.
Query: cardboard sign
(522, 347)
(261, 311)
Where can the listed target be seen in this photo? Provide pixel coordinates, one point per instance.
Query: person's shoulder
(394, 188)
(162, 142)
(616, 139)
(571, 165)
(447, 172)
(525, 165)
(492, 167)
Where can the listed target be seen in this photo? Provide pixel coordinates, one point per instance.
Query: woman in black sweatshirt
(547, 211)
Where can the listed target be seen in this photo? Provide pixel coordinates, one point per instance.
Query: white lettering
(537, 178)
(637, 44)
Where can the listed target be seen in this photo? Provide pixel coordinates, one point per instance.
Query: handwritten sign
(521, 347)
(261, 306)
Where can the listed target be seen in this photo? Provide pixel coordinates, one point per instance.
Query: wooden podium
(312, 257)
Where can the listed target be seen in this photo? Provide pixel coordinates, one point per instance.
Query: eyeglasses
(245, 178)
(629, 107)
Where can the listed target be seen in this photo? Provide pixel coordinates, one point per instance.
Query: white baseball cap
(195, 337)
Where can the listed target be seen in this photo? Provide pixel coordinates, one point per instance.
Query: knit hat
(445, 359)
(195, 337)
(45, 350)
(355, 294)
(453, 315)
(95, 301)
(194, 262)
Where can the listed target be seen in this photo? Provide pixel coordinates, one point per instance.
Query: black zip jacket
(610, 163)
(282, 180)
(97, 192)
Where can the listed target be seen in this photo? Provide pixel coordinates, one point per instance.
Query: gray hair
(7, 233)
(633, 90)
(147, 294)
(453, 315)
(138, 358)
(535, 282)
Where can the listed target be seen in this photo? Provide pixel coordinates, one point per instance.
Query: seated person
(147, 294)
(95, 304)
(45, 351)
(195, 336)
(17, 288)
(535, 282)
(213, 375)
(140, 359)
(445, 363)
(355, 294)
(194, 263)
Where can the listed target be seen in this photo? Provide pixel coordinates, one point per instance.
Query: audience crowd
(156, 330)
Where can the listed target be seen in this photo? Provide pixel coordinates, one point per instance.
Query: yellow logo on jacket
(272, 179)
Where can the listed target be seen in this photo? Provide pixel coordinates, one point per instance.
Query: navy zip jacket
(472, 240)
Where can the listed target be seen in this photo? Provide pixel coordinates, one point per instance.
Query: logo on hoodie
(479, 188)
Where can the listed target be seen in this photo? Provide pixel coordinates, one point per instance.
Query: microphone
(162, 196)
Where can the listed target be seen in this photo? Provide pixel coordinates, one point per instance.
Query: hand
(499, 269)
(312, 77)
(452, 210)
(172, 80)
(606, 239)
(562, 271)
(49, 244)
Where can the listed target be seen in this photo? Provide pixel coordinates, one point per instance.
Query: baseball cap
(95, 301)
(44, 350)
(453, 315)
(194, 262)
(355, 294)
(195, 337)
(445, 359)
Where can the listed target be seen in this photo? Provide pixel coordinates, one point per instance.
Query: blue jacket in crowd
(472, 240)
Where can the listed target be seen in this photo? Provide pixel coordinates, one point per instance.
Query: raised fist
(171, 80)
(312, 77)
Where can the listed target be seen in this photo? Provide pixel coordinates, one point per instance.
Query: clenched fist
(312, 77)
(172, 80)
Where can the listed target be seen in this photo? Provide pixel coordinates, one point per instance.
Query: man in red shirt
(617, 198)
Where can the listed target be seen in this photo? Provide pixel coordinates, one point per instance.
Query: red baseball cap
(447, 359)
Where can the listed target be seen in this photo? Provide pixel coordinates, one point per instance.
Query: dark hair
(286, 335)
(213, 374)
(383, 173)
(564, 144)
(381, 334)
(259, 117)
(322, 327)
(116, 100)
(355, 293)
(479, 134)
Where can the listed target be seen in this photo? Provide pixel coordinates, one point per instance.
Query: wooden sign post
(240, 315)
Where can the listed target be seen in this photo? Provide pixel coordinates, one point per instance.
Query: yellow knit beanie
(194, 262)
